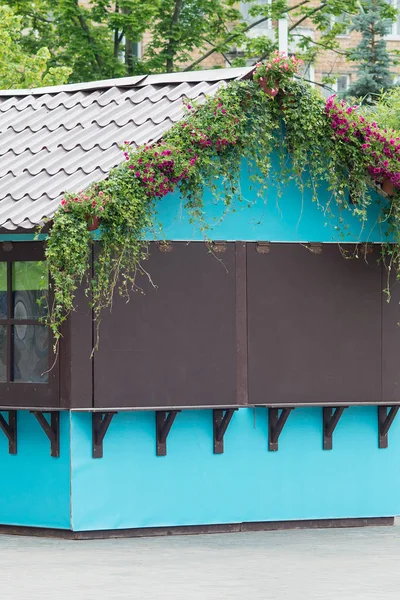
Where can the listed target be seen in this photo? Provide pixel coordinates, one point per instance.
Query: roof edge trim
(138, 81)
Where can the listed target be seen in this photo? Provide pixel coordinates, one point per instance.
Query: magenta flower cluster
(380, 148)
(92, 201)
(162, 166)
(159, 168)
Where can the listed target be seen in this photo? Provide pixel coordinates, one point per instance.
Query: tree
(183, 27)
(91, 39)
(19, 68)
(319, 14)
(97, 39)
(374, 62)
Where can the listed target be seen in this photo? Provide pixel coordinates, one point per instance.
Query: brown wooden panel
(314, 326)
(76, 365)
(391, 341)
(174, 345)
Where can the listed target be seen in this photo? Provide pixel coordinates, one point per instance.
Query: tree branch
(171, 42)
(40, 18)
(223, 53)
(307, 16)
(325, 46)
(116, 35)
(233, 36)
(85, 28)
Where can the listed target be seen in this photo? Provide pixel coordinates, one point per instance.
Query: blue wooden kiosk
(101, 456)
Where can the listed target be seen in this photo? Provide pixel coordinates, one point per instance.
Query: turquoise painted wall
(132, 487)
(34, 487)
(292, 217)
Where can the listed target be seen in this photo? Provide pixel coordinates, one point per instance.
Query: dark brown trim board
(197, 529)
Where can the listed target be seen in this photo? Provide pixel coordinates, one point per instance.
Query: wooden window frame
(23, 394)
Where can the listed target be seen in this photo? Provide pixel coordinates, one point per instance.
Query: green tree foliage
(183, 27)
(373, 76)
(386, 111)
(95, 40)
(98, 39)
(20, 68)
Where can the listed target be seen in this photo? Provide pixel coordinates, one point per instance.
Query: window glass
(30, 288)
(3, 290)
(245, 10)
(298, 36)
(395, 28)
(30, 353)
(342, 20)
(3, 353)
(341, 85)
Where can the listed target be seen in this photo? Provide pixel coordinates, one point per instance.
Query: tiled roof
(59, 139)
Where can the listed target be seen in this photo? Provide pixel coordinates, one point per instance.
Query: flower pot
(93, 222)
(387, 186)
(269, 91)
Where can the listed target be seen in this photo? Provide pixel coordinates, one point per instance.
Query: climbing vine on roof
(317, 142)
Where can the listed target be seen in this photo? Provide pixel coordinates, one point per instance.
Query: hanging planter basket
(272, 92)
(93, 222)
(388, 187)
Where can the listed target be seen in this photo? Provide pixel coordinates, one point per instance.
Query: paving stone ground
(340, 564)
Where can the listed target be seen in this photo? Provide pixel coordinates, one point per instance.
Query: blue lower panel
(34, 487)
(132, 487)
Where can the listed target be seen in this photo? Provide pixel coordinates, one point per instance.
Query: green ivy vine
(316, 141)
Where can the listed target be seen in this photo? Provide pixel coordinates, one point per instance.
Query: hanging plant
(276, 73)
(317, 141)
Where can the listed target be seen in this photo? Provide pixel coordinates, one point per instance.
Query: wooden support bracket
(330, 418)
(164, 421)
(276, 423)
(221, 420)
(385, 420)
(10, 430)
(100, 423)
(52, 429)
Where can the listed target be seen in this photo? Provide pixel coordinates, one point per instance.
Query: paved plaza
(345, 564)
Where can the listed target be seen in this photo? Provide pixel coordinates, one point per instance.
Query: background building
(330, 63)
